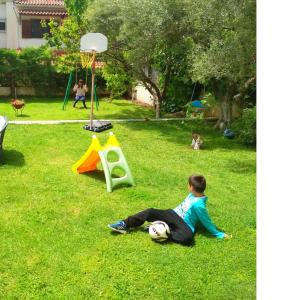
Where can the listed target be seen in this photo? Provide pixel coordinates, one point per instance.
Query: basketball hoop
(91, 44)
(86, 59)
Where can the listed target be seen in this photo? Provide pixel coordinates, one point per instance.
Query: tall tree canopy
(146, 38)
(225, 49)
(213, 41)
(77, 8)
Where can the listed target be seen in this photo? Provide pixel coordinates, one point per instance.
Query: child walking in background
(80, 90)
(182, 220)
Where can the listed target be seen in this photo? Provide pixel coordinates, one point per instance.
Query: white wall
(143, 95)
(3, 39)
(11, 26)
(2, 11)
(5, 91)
(21, 90)
(31, 42)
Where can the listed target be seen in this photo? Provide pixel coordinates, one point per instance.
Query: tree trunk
(158, 103)
(13, 85)
(157, 96)
(225, 117)
(225, 96)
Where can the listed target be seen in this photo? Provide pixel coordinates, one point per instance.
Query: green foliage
(245, 126)
(180, 86)
(67, 63)
(118, 82)
(77, 8)
(177, 95)
(209, 101)
(30, 67)
(193, 113)
(36, 66)
(224, 35)
(66, 35)
(9, 66)
(146, 38)
(224, 55)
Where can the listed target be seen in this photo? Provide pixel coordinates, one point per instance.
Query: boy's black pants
(180, 232)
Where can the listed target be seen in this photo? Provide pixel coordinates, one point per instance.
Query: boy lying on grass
(182, 220)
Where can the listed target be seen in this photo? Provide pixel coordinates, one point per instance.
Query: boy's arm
(75, 88)
(85, 88)
(207, 223)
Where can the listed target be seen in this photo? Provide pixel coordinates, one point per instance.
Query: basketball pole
(92, 90)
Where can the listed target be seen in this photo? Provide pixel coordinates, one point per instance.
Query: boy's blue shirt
(193, 210)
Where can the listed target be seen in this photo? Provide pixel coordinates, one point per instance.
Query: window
(36, 30)
(32, 29)
(2, 25)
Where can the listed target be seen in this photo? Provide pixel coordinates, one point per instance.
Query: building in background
(20, 21)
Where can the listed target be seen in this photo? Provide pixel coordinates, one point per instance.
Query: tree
(9, 66)
(77, 9)
(66, 35)
(145, 38)
(225, 49)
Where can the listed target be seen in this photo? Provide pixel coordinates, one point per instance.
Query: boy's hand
(227, 236)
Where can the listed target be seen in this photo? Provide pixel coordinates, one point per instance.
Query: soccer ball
(159, 231)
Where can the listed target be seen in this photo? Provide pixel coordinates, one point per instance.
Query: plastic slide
(90, 159)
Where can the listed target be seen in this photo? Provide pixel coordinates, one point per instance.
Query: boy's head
(81, 82)
(197, 183)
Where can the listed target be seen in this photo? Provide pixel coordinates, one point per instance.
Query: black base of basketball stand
(98, 126)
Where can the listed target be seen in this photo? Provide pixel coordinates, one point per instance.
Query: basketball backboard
(93, 42)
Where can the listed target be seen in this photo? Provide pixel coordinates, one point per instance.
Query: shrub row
(245, 126)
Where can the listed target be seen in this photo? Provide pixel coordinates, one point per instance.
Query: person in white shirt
(80, 89)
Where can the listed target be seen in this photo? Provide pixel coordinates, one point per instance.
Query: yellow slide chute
(90, 159)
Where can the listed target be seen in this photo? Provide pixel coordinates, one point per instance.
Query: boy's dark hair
(198, 182)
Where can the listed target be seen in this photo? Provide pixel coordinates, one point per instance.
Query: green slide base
(108, 168)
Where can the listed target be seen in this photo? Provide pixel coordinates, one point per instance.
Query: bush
(31, 67)
(177, 96)
(245, 126)
(209, 102)
(118, 82)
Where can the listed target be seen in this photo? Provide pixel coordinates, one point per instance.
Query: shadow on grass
(80, 107)
(241, 166)
(97, 174)
(13, 158)
(200, 230)
(161, 243)
(180, 132)
(22, 116)
(135, 113)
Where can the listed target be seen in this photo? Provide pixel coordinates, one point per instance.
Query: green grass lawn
(54, 242)
(51, 109)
